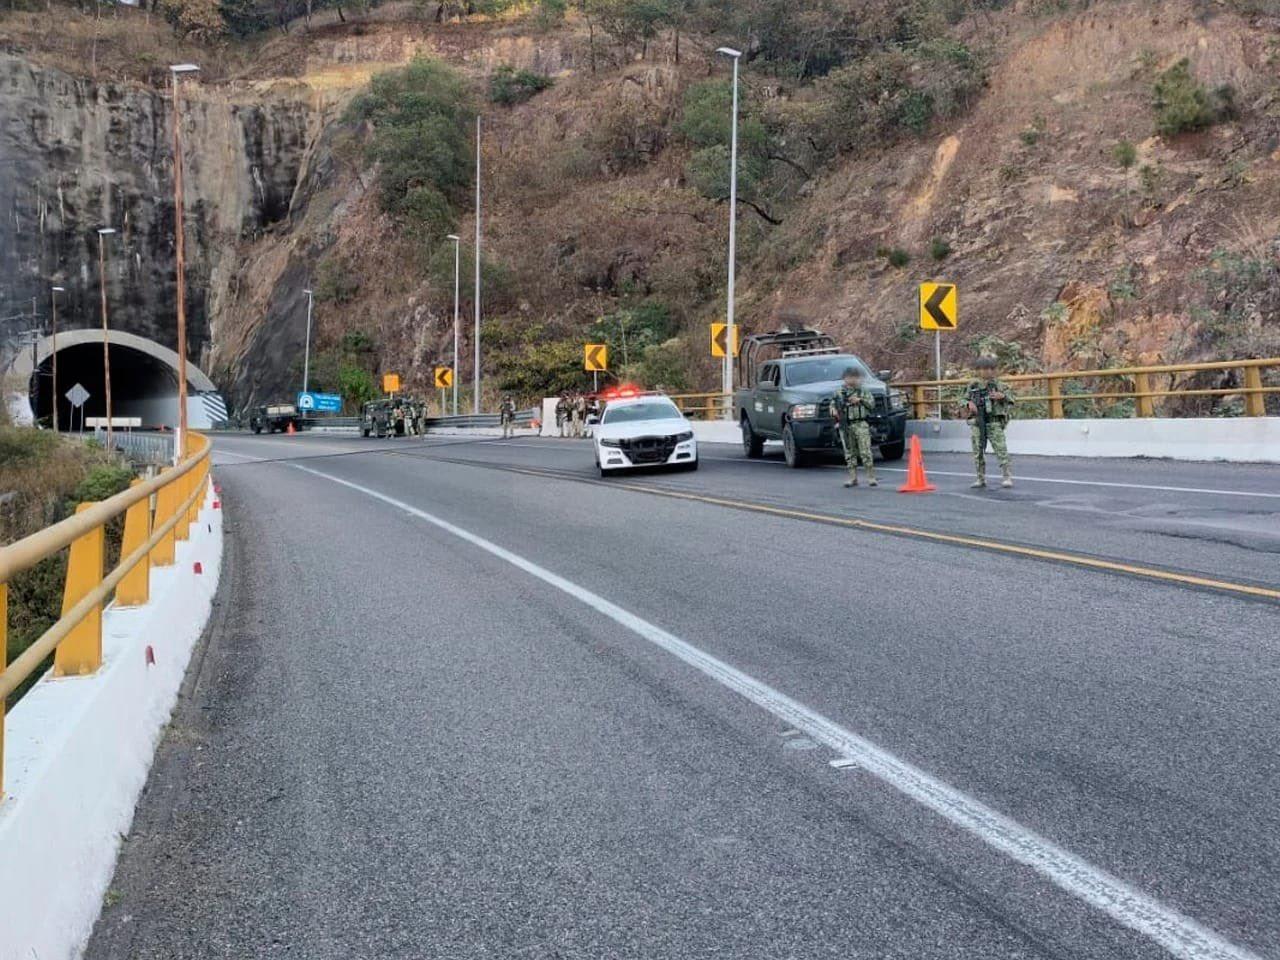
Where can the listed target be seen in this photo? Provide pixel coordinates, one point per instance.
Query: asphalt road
(461, 699)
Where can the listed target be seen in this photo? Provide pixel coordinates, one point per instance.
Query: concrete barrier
(78, 750)
(1233, 439)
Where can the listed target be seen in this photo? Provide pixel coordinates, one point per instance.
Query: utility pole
(726, 375)
(306, 354)
(103, 233)
(180, 439)
(53, 298)
(457, 276)
(475, 399)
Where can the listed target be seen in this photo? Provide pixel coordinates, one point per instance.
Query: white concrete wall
(1235, 439)
(78, 750)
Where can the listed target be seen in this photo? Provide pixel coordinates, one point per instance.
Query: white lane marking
(1022, 478)
(1178, 934)
(219, 452)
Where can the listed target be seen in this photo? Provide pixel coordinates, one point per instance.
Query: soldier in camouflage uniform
(851, 406)
(986, 396)
(507, 416)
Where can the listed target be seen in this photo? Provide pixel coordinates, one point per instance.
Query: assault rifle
(980, 397)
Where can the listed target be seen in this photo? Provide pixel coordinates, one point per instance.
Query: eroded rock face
(76, 155)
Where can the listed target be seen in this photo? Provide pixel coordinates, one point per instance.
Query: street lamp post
(457, 277)
(177, 71)
(53, 313)
(306, 354)
(103, 233)
(726, 375)
(475, 399)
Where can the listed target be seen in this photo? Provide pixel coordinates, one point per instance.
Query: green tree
(421, 117)
(1183, 104)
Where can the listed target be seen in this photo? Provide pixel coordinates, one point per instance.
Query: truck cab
(787, 380)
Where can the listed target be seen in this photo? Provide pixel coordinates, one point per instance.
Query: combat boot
(1007, 481)
(852, 481)
(871, 478)
(980, 482)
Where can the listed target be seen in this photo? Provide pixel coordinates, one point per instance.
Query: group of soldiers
(572, 411)
(396, 417)
(987, 405)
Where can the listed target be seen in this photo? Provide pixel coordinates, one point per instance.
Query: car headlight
(682, 437)
(897, 400)
(610, 443)
(804, 411)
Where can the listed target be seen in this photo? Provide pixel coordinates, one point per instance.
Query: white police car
(643, 430)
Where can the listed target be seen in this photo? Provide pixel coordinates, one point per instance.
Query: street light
(475, 400)
(103, 233)
(726, 375)
(457, 276)
(177, 71)
(306, 356)
(53, 298)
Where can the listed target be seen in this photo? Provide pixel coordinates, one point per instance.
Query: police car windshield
(649, 410)
(821, 370)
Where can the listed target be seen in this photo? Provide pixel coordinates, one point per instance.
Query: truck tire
(752, 442)
(893, 451)
(258, 428)
(794, 456)
(364, 431)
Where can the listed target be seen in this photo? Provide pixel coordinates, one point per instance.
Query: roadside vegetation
(42, 478)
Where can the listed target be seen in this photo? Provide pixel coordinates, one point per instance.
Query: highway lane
(401, 745)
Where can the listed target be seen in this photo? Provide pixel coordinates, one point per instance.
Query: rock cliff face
(77, 155)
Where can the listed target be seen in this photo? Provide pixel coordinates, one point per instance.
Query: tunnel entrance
(141, 386)
(144, 379)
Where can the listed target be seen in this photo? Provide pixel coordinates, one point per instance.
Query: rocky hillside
(1100, 179)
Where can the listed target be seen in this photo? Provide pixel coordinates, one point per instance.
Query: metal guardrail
(1065, 392)
(144, 448)
(150, 536)
(524, 418)
(1065, 389)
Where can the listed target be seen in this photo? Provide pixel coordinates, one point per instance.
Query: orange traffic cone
(290, 431)
(917, 482)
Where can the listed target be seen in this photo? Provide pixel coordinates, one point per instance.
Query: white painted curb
(78, 750)
(1234, 439)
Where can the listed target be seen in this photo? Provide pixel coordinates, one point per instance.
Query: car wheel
(790, 450)
(752, 443)
(257, 429)
(691, 466)
(893, 451)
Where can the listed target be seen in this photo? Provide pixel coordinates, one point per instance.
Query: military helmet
(985, 362)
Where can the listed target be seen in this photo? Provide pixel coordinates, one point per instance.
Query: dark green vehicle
(786, 382)
(377, 419)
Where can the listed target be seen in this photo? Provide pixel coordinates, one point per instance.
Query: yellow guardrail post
(135, 588)
(1255, 402)
(182, 531)
(920, 409)
(1056, 411)
(81, 651)
(1145, 406)
(167, 500)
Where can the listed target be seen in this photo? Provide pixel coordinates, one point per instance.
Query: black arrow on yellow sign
(596, 356)
(934, 307)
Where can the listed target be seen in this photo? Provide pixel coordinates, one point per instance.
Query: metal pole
(937, 367)
(180, 441)
(622, 322)
(106, 348)
(53, 312)
(475, 400)
(306, 355)
(733, 238)
(457, 277)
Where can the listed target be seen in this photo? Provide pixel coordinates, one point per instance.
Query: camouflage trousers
(857, 447)
(508, 425)
(996, 437)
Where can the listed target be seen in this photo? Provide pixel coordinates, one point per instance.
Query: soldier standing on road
(562, 414)
(988, 404)
(577, 405)
(507, 416)
(851, 406)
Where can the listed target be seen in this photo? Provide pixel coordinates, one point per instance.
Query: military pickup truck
(274, 416)
(786, 382)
